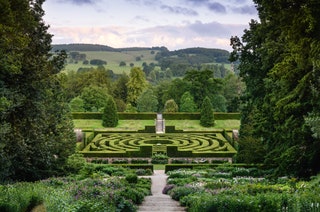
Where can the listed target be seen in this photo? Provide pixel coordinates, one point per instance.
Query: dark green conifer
(206, 115)
(110, 114)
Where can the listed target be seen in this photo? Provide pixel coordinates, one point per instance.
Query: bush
(110, 115)
(75, 163)
(159, 159)
(131, 178)
(206, 115)
(178, 192)
(171, 106)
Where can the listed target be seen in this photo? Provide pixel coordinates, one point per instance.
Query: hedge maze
(107, 144)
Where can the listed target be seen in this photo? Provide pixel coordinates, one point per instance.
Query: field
(140, 124)
(113, 60)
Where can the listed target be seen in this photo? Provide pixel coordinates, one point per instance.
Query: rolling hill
(80, 56)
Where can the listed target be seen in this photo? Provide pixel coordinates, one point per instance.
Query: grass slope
(113, 60)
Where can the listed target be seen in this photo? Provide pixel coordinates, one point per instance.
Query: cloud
(80, 2)
(216, 7)
(179, 10)
(251, 10)
(197, 2)
(196, 34)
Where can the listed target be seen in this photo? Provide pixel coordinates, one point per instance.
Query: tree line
(279, 63)
(89, 90)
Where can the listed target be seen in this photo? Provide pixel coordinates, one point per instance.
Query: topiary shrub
(206, 115)
(110, 115)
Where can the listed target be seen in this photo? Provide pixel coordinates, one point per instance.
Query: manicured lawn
(140, 124)
(159, 166)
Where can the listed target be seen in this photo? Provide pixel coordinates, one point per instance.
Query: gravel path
(158, 201)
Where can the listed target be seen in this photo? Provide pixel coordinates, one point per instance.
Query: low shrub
(167, 188)
(178, 192)
(75, 163)
(120, 161)
(179, 161)
(139, 161)
(131, 178)
(143, 172)
(159, 159)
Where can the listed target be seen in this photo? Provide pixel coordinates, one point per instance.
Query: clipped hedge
(145, 151)
(87, 115)
(133, 166)
(152, 116)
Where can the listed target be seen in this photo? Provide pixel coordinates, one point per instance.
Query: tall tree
(202, 84)
(278, 57)
(120, 89)
(187, 103)
(94, 98)
(136, 85)
(147, 101)
(36, 127)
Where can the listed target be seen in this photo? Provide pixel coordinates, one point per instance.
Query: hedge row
(151, 116)
(171, 167)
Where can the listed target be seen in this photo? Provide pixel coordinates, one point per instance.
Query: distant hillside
(195, 56)
(178, 61)
(96, 47)
(82, 47)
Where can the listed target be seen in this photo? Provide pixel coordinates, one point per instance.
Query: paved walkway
(158, 201)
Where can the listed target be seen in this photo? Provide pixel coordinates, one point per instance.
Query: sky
(175, 24)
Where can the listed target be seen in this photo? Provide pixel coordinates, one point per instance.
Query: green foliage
(94, 98)
(279, 64)
(97, 62)
(130, 109)
(75, 163)
(76, 104)
(202, 84)
(136, 85)
(122, 63)
(219, 103)
(171, 106)
(187, 103)
(110, 114)
(206, 115)
(36, 128)
(131, 178)
(248, 145)
(180, 192)
(159, 159)
(121, 91)
(147, 102)
(231, 188)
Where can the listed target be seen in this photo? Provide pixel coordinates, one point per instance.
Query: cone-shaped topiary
(206, 115)
(110, 115)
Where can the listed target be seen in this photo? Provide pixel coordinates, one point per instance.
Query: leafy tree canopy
(279, 59)
(36, 127)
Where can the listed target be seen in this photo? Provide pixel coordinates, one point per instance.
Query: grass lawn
(140, 124)
(158, 166)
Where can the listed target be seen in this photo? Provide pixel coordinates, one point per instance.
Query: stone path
(158, 201)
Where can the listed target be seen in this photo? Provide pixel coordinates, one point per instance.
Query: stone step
(158, 201)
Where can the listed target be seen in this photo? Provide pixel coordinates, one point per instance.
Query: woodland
(274, 83)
